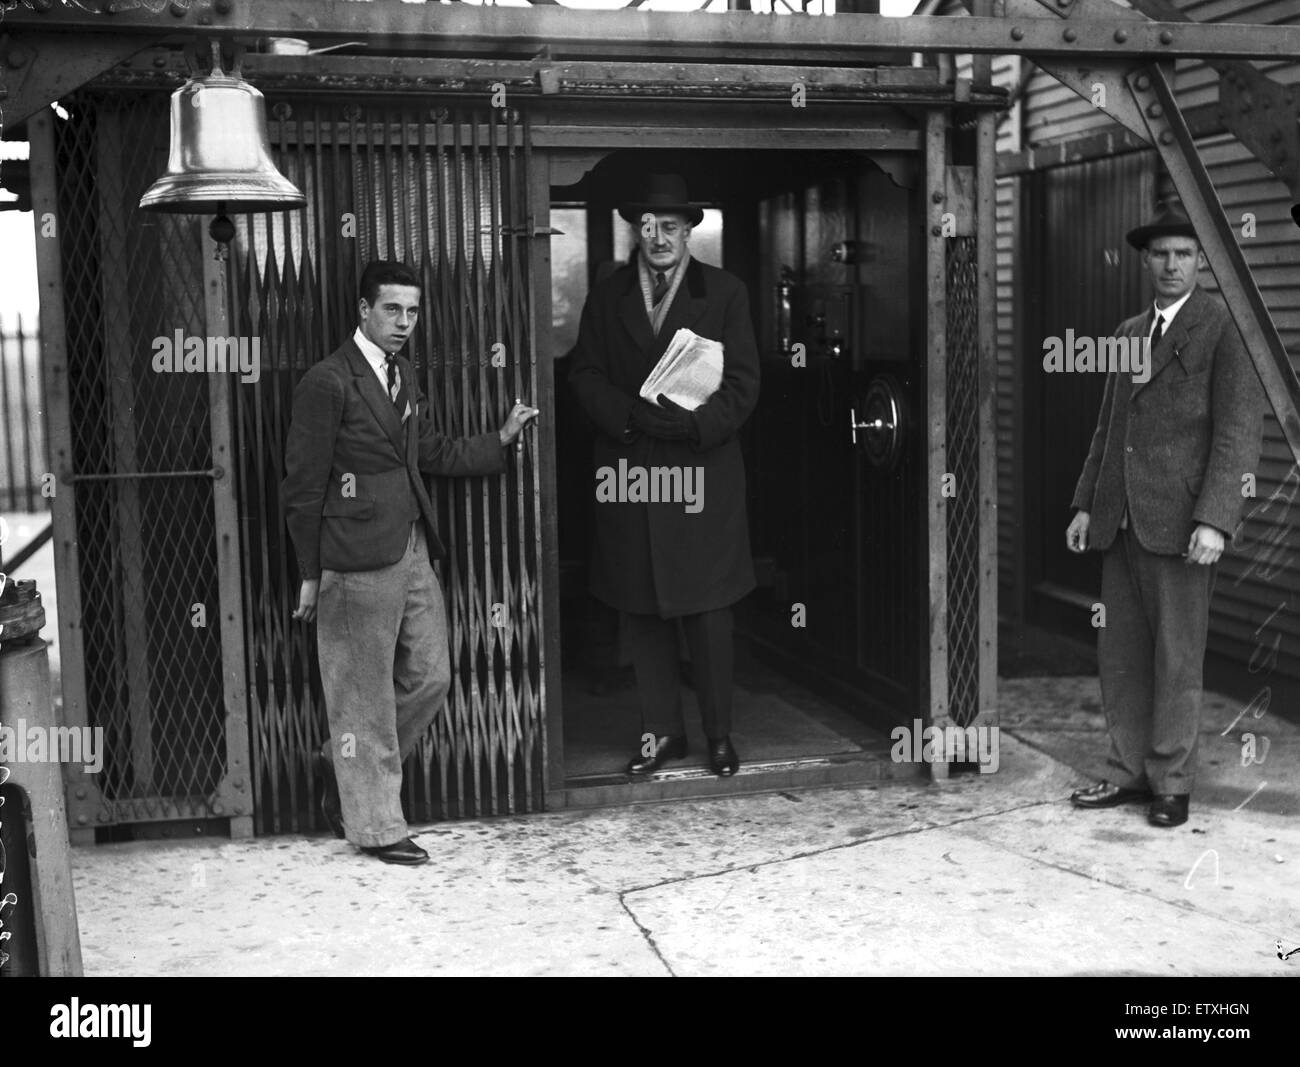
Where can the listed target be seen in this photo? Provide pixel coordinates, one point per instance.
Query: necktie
(1158, 332)
(396, 386)
(660, 289)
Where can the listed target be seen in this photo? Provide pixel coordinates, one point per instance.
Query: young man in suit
(1160, 495)
(658, 562)
(363, 531)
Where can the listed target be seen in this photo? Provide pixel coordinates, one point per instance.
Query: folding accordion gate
(446, 193)
(177, 579)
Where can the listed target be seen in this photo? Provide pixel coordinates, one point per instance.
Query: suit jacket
(345, 424)
(657, 557)
(1176, 446)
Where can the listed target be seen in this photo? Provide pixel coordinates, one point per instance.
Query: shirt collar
(375, 355)
(648, 273)
(1173, 309)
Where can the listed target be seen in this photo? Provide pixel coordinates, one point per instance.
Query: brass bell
(220, 155)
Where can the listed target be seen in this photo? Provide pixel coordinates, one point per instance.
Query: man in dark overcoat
(1160, 494)
(660, 561)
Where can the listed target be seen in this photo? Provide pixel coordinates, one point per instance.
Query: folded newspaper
(689, 372)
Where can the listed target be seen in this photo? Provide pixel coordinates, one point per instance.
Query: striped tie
(396, 387)
(660, 289)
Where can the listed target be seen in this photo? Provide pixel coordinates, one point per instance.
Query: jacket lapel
(1175, 339)
(631, 309)
(373, 394)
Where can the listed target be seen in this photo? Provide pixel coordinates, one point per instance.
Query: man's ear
(1201, 262)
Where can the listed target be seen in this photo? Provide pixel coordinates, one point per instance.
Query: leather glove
(655, 422)
(681, 418)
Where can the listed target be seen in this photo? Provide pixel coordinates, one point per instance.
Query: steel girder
(738, 36)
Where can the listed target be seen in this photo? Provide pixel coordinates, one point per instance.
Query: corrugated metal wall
(1255, 581)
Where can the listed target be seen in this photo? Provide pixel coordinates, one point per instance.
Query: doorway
(830, 646)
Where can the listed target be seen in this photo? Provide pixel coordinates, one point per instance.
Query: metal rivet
(81, 794)
(223, 6)
(1143, 83)
(1166, 37)
(1071, 34)
(1121, 36)
(178, 9)
(82, 820)
(218, 809)
(936, 231)
(936, 197)
(1155, 110)
(1166, 138)
(1017, 34)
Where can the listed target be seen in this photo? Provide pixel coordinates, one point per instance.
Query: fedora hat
(1169, 222)
(661, 193)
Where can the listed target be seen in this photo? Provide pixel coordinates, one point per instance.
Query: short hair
(385, 272)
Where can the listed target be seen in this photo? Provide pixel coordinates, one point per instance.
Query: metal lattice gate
(138, 575)
(448, 194)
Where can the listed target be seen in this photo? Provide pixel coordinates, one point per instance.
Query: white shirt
(378, 360)
(375, 356)
(1167, 314)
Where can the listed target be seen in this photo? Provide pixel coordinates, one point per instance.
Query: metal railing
(23, 459)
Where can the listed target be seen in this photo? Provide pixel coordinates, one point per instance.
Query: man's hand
(307, 600)
(1076, 537)
(655, 422)
(519, 417)
(1205, 546)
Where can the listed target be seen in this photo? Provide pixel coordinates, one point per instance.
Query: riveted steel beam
(737, 35)
(38, 68)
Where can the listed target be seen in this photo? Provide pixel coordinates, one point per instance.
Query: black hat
(1170, 222)
(661, 193)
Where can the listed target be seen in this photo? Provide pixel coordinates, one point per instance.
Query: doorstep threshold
(760, 776)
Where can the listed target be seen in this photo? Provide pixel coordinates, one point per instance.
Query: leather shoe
(666, 748)
(722, 757)
(405, 852)
(1168, 809)
(330, 805)
(1106, 795)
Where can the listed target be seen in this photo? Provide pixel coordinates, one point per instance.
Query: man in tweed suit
(363, 531)
(1160, 494)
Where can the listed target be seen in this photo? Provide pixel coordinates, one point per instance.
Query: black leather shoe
(330, 806)
(722, 757)
(1106, 795)
(666, 748)
(1168, 809)
(405, 852)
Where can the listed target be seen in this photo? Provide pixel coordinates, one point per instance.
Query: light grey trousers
(381, 638)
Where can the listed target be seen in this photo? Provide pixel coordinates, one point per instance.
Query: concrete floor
(988, 875)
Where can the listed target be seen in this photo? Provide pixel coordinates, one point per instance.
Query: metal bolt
(1017, 34)
(936, 197)
(936, 231)
(1155, 110)
(1143, 83)
(1166, 37)
(1166, 138)
(1071, 34)
(1121, 36)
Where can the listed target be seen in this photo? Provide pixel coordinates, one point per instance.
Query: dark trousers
(653, 643)
(1150, 655)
